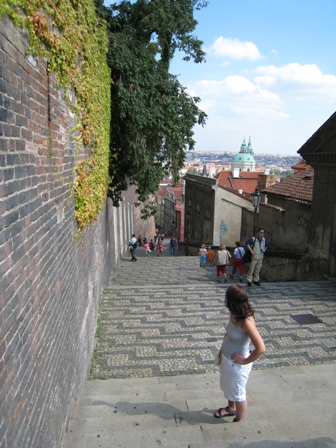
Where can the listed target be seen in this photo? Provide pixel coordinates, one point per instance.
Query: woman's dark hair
(236, 300)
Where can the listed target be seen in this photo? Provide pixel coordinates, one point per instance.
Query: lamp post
(187, 220)
(256, 198)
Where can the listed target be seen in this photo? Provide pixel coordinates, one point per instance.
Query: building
(215, 212)
(169, 218)
(244, 160)
(320, 152)
(215, 206)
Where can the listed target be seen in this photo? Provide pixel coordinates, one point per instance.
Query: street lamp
(256, 198)
(188, 220)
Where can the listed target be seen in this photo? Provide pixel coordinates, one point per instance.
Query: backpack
(247, 258)
(135, 245)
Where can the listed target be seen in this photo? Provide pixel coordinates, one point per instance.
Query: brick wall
(49, 283)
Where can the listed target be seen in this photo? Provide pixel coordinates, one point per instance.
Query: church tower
(244, 160)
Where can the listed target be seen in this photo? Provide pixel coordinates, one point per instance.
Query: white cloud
(279, 106)
(298, 79)
(234, 49)
(237, 95)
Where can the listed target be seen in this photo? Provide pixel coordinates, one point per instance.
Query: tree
(152, 114)
(192, 170)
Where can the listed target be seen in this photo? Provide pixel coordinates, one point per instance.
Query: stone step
(161, 321)
(286, 408)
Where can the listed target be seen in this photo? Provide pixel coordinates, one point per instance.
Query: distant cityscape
(272, 162)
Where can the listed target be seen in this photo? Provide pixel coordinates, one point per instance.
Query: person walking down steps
(173, 245)
(202, 254)
(238, 255)
(222, 258)
(133, 244)
(159, 248)
(147, 249)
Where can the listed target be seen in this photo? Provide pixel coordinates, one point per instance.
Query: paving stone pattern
(166, 316)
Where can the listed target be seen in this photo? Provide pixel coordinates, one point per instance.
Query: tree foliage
(192, 170)
(153, 116)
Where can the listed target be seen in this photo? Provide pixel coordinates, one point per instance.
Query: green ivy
(74, 40)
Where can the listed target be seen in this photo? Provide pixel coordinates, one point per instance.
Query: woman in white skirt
(236, 359)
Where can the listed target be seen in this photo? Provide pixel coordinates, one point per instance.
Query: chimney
(265, 180)
(236, 173)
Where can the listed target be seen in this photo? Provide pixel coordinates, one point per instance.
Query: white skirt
(233, 379)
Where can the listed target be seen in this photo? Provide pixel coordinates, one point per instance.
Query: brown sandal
(219, 414)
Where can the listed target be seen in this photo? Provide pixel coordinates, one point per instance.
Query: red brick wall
(49, 283)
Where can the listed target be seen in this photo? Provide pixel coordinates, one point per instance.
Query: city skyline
(269, 73)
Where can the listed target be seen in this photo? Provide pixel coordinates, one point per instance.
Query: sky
(270, 73)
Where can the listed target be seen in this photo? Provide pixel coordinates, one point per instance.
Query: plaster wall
(289, 229)
(228, 218)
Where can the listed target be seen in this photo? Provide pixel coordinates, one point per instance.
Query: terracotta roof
(177, 191)
(298, 187)
(323, 142)
(300, 166)
(162, 193)
(247, 180)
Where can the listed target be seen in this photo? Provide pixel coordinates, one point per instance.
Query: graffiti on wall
(278, 226)
(223, 229)
(303, 223)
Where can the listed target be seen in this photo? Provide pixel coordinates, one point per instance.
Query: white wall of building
(228, 216)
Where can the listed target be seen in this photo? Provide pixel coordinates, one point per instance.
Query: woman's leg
(241, 407)
(232, 405)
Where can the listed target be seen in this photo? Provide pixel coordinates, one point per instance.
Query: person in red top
(159, 248)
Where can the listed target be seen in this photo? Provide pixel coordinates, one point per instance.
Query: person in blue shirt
(173, 246)
(257, 246)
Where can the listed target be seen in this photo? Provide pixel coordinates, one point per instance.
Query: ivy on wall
(73, 39)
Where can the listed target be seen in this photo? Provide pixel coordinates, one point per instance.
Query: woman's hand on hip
(238, 359)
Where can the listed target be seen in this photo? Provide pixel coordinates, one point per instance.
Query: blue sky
(270, 73)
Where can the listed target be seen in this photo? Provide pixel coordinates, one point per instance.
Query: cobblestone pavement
(165, 316)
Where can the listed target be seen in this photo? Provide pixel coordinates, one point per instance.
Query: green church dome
(244, 160)
(243, 157)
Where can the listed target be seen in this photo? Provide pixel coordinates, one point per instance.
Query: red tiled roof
(300, 166)
(177, 191)
(162, 193)
(298, 187)
(247, 181)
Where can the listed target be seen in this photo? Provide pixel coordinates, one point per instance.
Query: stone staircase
(153, 382)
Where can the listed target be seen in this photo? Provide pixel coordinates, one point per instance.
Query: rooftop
(247, 180)
(298, 187)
